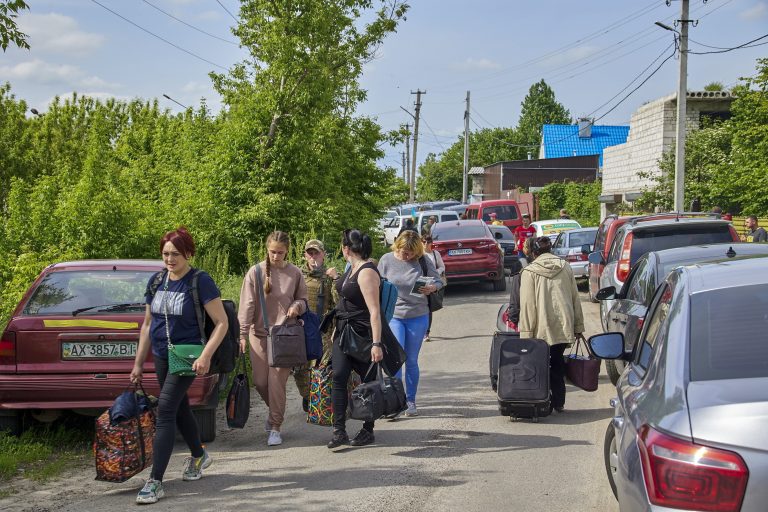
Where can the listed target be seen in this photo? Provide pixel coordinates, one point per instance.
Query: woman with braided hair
(285, 295)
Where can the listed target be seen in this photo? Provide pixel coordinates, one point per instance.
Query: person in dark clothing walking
(408, 226)
(359, 304)
(513, 310)
(171, 318)
(754, 232)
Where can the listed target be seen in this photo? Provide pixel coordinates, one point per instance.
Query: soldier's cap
(314, 244)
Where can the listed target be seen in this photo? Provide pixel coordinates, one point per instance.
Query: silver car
(631, 302)
(689, 428)
(569, 245)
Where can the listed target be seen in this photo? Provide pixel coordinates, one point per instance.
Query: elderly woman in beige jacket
(550, 310)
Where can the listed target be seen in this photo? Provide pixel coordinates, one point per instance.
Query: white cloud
(568, 56)
(41, 72)
(755, 13)
(56, 33)
(196, 87)
(482, 64)
(209, 16)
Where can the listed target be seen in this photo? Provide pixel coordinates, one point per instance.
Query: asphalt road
(458, 455)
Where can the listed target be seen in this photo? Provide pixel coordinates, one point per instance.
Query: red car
(71, 342)
(470, 252)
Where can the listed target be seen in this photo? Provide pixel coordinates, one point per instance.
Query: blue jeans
(410, 334)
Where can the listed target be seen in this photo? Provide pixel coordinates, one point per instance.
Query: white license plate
(459, 252)
(98, 350)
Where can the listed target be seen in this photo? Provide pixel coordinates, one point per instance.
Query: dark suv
(641, 235)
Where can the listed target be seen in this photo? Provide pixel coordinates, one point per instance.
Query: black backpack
(223, 360)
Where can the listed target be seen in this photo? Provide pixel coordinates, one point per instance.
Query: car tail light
(640, 321)
(576, 257)
(622, 269)
(681, 474)
(8, 348)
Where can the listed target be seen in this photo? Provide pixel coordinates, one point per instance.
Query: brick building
(651, 134)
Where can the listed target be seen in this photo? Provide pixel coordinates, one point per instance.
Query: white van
(392, 229)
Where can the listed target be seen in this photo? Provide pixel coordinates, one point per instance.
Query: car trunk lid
(731, 412)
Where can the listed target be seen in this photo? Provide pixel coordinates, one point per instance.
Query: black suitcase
(493, 359)
(523, 380)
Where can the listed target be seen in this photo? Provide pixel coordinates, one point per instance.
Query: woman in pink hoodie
(285, 295)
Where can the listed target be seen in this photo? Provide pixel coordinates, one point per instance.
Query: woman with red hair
(171, 318)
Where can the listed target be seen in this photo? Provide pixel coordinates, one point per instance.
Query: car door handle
(618, 422)
(622, 322)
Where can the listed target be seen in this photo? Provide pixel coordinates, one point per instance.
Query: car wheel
(500, 285)
(611, 456)
(206, 424)
(614, 368)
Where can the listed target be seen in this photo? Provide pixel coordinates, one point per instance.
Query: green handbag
(181, 357)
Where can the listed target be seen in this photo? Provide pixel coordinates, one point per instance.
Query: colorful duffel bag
(320, 410)
(122, 443)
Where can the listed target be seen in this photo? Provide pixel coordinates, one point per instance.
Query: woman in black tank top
(359, 304)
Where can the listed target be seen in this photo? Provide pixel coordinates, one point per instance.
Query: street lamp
(35, 112)
(176, 102)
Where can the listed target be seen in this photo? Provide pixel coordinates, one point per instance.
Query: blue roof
(561, 140)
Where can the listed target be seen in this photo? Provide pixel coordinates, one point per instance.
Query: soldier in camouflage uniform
(321, 295)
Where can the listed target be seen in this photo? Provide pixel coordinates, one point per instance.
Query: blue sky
(587, 51)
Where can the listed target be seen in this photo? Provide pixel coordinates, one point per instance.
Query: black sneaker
(364, 437)
(339, 439)
(305, 404)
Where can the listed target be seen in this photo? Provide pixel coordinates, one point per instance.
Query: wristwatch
(377, 344)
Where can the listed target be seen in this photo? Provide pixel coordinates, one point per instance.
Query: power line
(190, 26)
(228, 12)
(157, 36)
(432, 132)
(726, 50)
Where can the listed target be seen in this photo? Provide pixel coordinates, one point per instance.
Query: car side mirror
(607, 293)
(497, 235)
(586, 249)
(596, 258)
(609, 345)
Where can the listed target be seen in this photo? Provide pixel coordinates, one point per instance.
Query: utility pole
(418, 94)
(466, 154)
(404, 164)
(406, 171)
(682, 95)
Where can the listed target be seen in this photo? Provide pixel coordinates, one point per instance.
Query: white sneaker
(411, 410)
(275, 438)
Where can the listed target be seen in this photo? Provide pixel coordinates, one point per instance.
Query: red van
(506, 210)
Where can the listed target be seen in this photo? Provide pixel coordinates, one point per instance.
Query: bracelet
(379, 344)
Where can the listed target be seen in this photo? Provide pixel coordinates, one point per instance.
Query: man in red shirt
(523, 232)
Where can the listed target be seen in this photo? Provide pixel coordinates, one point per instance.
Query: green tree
(293, 154)
(9, 31)
(440, 176)
(539, 108)
(580, 199)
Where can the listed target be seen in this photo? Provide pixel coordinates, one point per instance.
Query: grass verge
(44, 451)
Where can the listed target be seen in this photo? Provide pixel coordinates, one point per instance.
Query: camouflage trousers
(301, 373)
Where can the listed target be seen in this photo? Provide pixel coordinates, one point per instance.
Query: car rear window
(581, 238)
(65, 292)
(458, 232)
(503, 212)
(645, 241)
(728, 329)
(506, 234)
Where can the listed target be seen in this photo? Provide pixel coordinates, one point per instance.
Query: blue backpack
(388, 299)
(313, 338)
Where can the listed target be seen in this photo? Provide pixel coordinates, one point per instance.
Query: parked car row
(684, 313)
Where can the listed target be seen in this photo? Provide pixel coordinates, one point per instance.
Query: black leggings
(557, 374)
(173, 411)
(342, 368)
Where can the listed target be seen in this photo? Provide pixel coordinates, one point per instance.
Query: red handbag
(582, 370)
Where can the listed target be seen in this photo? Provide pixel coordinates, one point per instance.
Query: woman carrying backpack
(171, 318)
(284, 294)
(402, 267)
